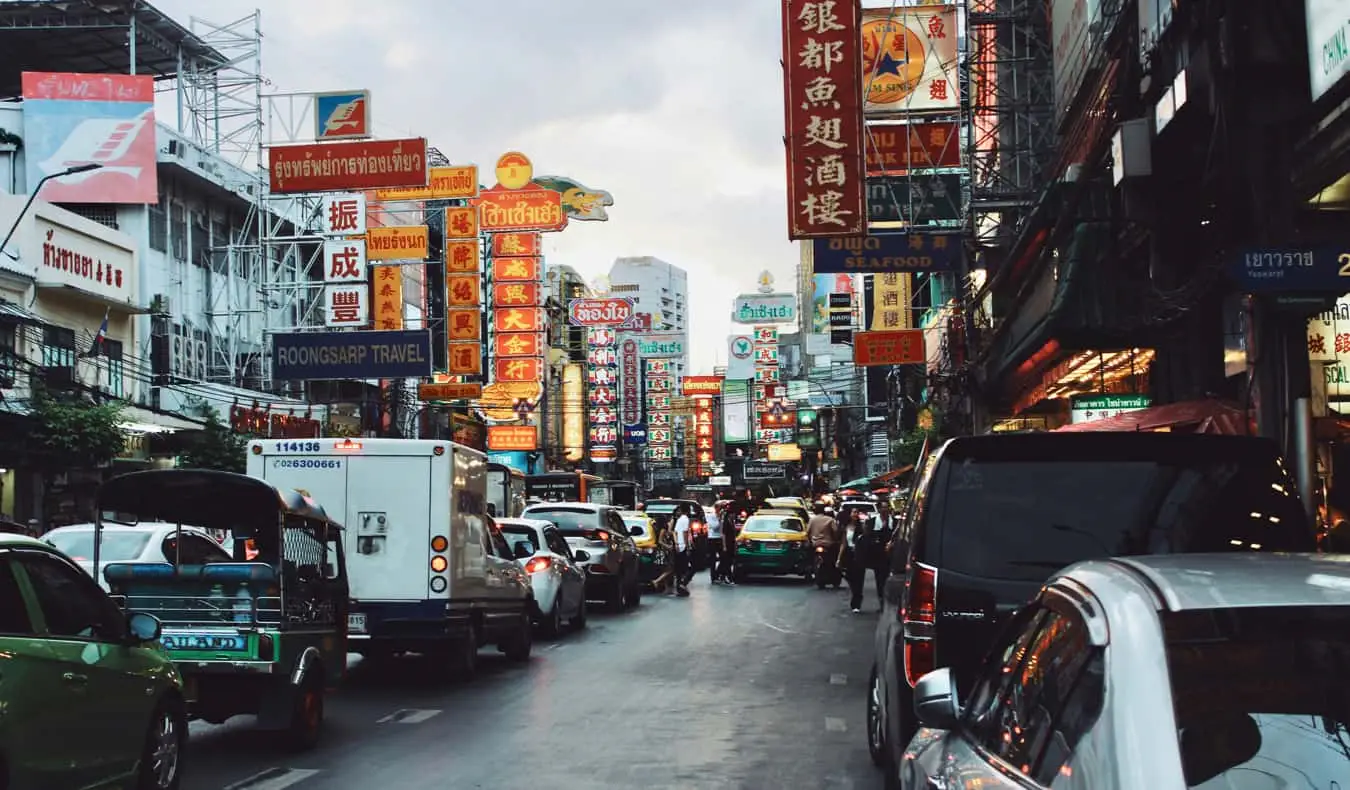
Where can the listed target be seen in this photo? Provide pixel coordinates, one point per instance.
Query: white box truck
(429, 571)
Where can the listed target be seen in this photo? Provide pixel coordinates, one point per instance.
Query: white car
(146, 542)
(558, 581)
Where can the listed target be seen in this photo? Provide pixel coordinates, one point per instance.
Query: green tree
(74, 433)
(216, 447)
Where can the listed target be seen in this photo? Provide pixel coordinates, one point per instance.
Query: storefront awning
(1196, 416)
(138, 420)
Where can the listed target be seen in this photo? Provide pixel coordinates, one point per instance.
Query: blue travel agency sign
(887, 253)
(1316, 268)
(351, 355)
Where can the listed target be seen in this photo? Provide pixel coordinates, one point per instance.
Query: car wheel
(618, 595)
(464, 660)
(635, 597)
(876, 723)
(578, 621)
(518, 647)
(551, 623)
(307, 711)
(161, 766)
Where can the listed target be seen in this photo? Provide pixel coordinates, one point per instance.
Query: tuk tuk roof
(204, 498)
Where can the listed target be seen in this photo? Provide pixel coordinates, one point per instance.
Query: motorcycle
(826, 568)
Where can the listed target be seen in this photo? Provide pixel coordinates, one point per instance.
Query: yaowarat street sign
(822, 65)
(449, 391)
(899, 347)
(347, 166)
(512, 438)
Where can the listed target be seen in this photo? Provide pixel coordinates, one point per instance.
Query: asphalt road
(758, 686)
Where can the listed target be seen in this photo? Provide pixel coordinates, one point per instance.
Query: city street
(758, 686)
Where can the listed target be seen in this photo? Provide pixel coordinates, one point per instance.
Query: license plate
(771, 545)
(356, 623)
(204, 641)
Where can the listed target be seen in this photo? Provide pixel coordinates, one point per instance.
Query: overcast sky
(674, 107)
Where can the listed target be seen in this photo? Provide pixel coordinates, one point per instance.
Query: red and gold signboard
(511, 294)
(517, 344)
(461, 222)
(461, 290)
(450, 390)
(465, 359)
(502, 209)
(701, 385)
(463, 324)
(461, 256)
(449, 182)
(506, 245)
(518, 319)
(354, 165)
(822, 57)
(518, 369)
(900, 347)
(386, 287)
(517, 269)
(899, 148)
(512, 438)
(397, 243)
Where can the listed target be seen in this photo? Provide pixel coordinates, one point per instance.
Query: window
(178, 231)
(13, 610)
(195, 550)
(1044, 694)
(9, 353)
(112, 353)
(499, 545)
(515, 535)
(556, 543)
(58, 347)
(159, 224)
(71, 603)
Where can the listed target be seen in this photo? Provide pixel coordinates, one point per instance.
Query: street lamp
(69, 171)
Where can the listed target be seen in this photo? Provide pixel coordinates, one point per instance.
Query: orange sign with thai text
(515, 295)
(461, 256)
(518, 319)
(461, 290)
(465, 359)
(501, 209)
(507, 438)
(445, 182)
(386, 285)
(899, 347)
(463, 324)
(518, 369)
(517, 269)
(450, 390)
(517, 344)
(516, 244)
(461, 222)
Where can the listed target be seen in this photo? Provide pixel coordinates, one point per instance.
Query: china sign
(822, 65)
(610, 311)
(517, 269)
(1328, 44)
(510, 245)
(351, 165)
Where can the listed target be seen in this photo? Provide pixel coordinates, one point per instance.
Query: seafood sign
(358, 164)
(600, 312)
(520, 209)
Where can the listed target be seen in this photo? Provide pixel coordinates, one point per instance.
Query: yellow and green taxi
(773, 541)
(793, 504)
(643, 531)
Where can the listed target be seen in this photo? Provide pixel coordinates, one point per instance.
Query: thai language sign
(901, 347)
(701, 385)
(397, 243)
(822, 65)
(71, 259)
(520, 209)
(443, 183)
(892, 252)
(915, 199)
(609, 311)
(764, 309)
(351, 355)
(356, 164)
(899, 148)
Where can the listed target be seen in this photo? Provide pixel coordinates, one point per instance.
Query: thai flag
(96, 348)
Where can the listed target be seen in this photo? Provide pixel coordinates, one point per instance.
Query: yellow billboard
(574, 411)
(443, 183)
(892, 294)
(397, 243)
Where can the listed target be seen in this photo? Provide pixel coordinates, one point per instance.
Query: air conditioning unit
(160, 304)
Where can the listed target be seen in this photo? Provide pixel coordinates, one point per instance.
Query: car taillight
(918, 615)
(600, 535)
(538, 564)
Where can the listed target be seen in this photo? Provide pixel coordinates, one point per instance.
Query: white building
(660, 290)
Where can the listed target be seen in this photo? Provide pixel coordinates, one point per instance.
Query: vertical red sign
(822, 85)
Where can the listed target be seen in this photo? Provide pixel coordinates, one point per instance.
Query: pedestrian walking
(683, 548)
(865, 551)
(665, 550)
(715, 547)
(731, 529)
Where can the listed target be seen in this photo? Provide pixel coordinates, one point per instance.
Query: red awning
(1195, 416)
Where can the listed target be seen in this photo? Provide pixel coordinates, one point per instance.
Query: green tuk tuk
(265, 633)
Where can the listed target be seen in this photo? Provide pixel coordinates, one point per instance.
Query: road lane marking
(838, 679)
(840, 651)
(273, 779)
(409, 716)
(835, 725)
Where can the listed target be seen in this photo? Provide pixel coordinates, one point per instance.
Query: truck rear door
(388, 526)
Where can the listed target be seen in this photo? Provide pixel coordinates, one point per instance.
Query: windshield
(773, 524)
(1261, 696)
(78, 544)
(515, 534)
(571, 522)
(664, 508)
(642, 523)
(1023, 520)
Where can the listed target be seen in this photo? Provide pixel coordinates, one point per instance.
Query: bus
(622, 494)
(560, 486)
(505, 491)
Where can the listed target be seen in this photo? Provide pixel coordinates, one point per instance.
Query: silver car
(611, 557)
(144, 542)
(559, 582)
(1215, 671)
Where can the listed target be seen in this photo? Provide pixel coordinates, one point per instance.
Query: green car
(87, 698)
(773, 542)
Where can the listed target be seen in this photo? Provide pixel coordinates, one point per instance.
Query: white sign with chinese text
(343, 214)
(1328, 43)
(909, 59)
(344, 261)
(69, 258)
(1087, 408)
(346, 305)
(1329, 349)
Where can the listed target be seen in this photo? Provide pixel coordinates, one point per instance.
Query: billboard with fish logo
(343, 115)
(77, 119)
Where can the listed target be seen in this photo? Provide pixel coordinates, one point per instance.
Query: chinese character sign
(659, 385)
(909, 57)
(602, 374)
(343, 214)
(705, 436)
(386, 291)
(346, 305)
(822, 64)
(891, 294)
(344, 261)
(631, 390)
(461, 256)
(766, 375)
(346, 296)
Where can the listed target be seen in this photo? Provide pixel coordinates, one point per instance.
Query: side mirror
(581, 556)
(635, 532)
(142, 627)
(935, 702)
(524, 550)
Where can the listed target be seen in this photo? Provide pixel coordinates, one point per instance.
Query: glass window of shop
(58, 347)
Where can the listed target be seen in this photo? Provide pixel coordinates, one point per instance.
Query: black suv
(994, 516)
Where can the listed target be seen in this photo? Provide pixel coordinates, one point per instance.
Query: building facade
(660, 290)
